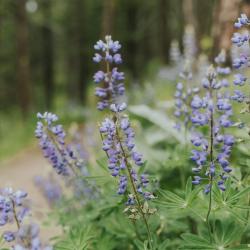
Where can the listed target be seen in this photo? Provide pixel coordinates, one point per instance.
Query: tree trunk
(48, 59)
(82, 53)
(23, 67)
(108, 17)
(188, 12)
(77, 66)
(163, 31)
(226, 12)
(131, 39)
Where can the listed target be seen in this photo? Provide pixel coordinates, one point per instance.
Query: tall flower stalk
(63, 158)
(118, 136)
(212, 157)
(241, 40)
(183, 97)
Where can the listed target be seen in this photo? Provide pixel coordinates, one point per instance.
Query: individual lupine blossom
(52, 141)
(241, 40)
(118, 143)
(212, 155)
(221, 70)
(112, 79)
(183, 96)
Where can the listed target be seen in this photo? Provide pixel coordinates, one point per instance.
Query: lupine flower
(238, 96)
(63, 158)
(183, 98)
(112, 79)
(50, 189)
(242, 20)
(116, 132)
(241, 40)
(239, 79)
(221, 71)
(51, 137)
(118, 143)
(52, 142)
(214, 111)
(28, 238)
(13, 209)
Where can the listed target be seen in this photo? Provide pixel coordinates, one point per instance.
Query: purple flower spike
(112, 79)
(213, 112)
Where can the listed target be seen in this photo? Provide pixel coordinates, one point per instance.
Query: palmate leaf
(230, 201)
(141, 245)
(235, 198)
(118, 225)
(105, 242)
(156, 246)
(164, 245)
(77, 239)
(170, 200)
(227, 232)
(191, 241)
(226, 236)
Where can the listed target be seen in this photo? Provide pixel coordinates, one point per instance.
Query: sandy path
(19, 173)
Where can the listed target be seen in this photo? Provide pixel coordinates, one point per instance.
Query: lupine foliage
(129, 200)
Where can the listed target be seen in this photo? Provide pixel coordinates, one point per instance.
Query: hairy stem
(24, 240)
(211, 155)
(15, 214)
(134, 189)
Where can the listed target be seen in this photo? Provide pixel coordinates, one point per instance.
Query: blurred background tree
(45, 45)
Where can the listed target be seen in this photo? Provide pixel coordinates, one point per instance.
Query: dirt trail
(19, 172)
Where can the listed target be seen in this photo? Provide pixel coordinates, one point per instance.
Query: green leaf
(240, 247)
(191, 241)
(102, 165)
(239, 195)
(164, 245)
(77, 239)
(236, 215)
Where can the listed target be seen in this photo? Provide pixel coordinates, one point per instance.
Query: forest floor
(19, 172)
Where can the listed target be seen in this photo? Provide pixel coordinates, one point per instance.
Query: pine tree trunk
(225, 14)
(77, 64)
(48, 58)
(163, 30)
(23, 67)
(108, 17)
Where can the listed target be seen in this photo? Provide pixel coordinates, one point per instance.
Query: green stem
(15, 215)
(248, 212)
(208, 214)
(136, 230)
(211, 162)
(134, 189)
(24, 240)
